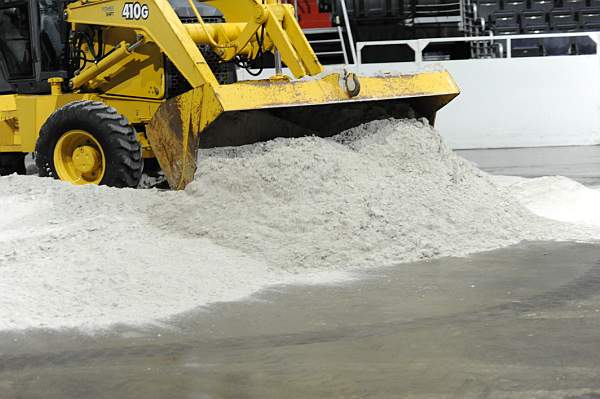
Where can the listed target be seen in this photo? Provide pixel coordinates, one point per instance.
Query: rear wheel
(88, 142)
(12, 162)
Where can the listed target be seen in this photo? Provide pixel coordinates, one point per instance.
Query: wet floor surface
(581, 163)
(519, 322)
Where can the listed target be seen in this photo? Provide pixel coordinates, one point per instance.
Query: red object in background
(309, 15)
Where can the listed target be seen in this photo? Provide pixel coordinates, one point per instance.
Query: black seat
(542, 28)
(532, 19)
(590, 26)
(543, 5)
(561, 16)
(504, 19)
(485, 8)
(507, 30)
(574, 4)
(585, 45)
(557, 45)
(526, 48)
(589, 16)
(566, 27)
(515, 5)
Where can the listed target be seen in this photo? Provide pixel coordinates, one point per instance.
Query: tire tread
(124, 159)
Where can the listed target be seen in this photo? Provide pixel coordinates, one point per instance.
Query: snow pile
(289, 210)
(555, 197)
(88, 257)
(377, 195)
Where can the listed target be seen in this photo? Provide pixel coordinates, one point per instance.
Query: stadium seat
(542, 28)
(543, 5)
(526, 48)
(485, 8)
(595, 3)
(515, 5)
(503, 19)
(574, 4)
(589, 16)
(585, 45)
(532, 19)
(590, 26)
(509, 30)
(562, 16)
(557, 45)
(566, 27)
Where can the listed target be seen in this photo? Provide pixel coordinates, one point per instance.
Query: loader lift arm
(116, 72)
(158, 23)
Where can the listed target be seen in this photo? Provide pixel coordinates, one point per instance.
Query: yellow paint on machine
(32, 111)
(176, 128)
(330, 89)
(130, 76)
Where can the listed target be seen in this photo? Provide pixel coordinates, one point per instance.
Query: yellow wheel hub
(87, 159)
(79, 158)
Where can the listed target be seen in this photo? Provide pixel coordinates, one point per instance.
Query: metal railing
(348, 29)
(339, 39)
(419, 45)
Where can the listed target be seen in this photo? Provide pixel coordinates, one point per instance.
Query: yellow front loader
(98, 88)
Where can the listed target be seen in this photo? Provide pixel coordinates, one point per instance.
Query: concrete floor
(519, 322)
(581, 163)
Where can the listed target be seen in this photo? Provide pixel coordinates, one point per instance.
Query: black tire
(12, 162)
(117, 138)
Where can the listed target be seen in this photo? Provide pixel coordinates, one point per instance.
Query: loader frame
(124, 68)
(164, 34)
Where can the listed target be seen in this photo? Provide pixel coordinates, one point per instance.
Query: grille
(225, 72)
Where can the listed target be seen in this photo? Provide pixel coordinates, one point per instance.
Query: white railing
(419, 45)
(348, 29)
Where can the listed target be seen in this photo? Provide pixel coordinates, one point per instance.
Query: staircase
(329, 44)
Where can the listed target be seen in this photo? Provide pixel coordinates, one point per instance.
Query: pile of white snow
(380, 194)
(89, 257)
(285, 211)
(555, 197)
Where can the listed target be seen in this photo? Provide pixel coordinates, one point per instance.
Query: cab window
(51, 35)
(15, 41)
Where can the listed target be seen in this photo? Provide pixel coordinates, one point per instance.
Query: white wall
(523, 102)
(517, 102)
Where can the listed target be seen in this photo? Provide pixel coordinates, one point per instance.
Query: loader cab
(32, 45)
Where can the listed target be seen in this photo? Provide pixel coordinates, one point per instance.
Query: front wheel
(88, 142)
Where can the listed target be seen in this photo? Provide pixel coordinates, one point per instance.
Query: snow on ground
(89, 257)
(291, 210)
(555, 197)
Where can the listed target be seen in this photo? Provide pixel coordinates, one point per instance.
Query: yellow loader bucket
(253, 111)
